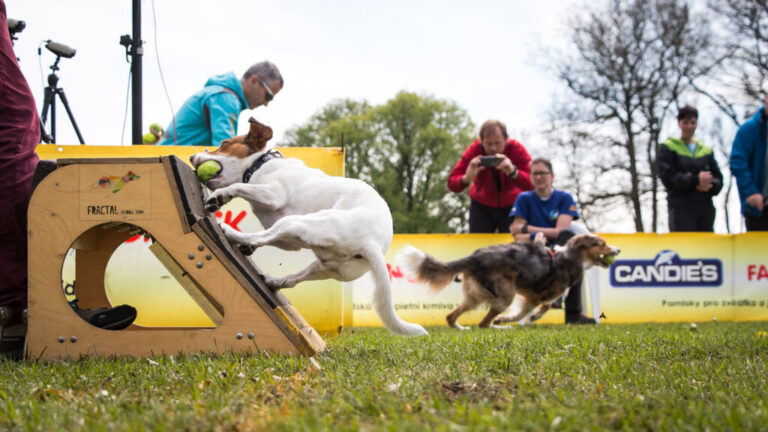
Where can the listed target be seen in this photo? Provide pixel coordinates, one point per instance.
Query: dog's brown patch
(245, 145)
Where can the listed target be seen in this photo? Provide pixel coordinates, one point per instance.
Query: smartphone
(489, 161)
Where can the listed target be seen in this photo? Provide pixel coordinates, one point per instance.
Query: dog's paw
(272, 283)
(216, 201)
(457, 326)
(501, 320)
(246, 250)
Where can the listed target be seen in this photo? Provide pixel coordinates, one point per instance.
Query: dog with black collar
(345, 222)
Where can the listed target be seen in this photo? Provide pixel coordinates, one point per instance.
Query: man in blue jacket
(748, 165)
(210, 115)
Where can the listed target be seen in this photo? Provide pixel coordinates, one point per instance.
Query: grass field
(635, 377)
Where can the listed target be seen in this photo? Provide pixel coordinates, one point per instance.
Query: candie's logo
(667, 269)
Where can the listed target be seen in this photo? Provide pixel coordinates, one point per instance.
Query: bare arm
(563, 222)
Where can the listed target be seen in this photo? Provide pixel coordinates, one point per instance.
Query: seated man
(550, 212)
(210, 116)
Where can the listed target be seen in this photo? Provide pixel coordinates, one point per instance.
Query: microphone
(60, 49)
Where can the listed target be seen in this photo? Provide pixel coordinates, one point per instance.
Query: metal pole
(137, 52)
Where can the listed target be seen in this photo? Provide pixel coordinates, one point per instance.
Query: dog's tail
(423, 268)
(382, 297)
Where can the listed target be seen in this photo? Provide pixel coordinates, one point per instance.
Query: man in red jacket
(499, 169)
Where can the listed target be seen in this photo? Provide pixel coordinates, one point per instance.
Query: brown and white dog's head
(236, 154)
(593, 250)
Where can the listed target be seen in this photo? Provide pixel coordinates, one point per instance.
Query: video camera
(15, 26)
(60, 49)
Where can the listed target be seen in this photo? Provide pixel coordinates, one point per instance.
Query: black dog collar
(269, 155)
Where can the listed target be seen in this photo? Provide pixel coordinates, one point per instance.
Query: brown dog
(529, 274)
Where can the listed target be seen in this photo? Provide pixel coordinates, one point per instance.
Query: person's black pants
(573, 300)
(484, 219)
(691, 218)
(757, 223)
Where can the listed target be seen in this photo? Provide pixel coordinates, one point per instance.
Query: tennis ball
(609, 259)
(149, 138)
(155, 128)
(208, 170)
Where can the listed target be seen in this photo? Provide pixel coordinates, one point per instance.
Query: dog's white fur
(343, 221)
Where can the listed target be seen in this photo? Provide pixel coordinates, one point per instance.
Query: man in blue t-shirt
(550, 212)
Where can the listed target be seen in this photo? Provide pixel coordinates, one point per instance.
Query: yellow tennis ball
(149, 138)
(609, 259)
(208, 170)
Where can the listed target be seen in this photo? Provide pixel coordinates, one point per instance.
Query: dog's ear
(582, 241)
(258, 135)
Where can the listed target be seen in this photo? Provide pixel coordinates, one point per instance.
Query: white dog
(343, 221)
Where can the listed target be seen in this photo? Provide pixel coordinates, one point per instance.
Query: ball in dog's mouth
(609, 259)
(208, 170)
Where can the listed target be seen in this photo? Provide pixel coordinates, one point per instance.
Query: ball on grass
(208, 170)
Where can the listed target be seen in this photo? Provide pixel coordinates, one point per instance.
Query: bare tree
(739, 84)
(630, 63)
(741, 81)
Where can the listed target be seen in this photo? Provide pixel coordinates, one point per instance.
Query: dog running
(345, 222)
(527, 273)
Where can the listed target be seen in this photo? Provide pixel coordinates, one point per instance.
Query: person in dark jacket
(690, 173)
(19, 136)
(494, 187)
(749, 164)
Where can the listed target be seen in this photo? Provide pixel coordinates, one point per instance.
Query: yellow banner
(134, 276)
(656, 278)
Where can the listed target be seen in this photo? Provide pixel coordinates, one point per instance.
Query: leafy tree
(405, 148)
(631, 61)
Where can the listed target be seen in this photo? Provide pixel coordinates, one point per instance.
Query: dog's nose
(192, 159)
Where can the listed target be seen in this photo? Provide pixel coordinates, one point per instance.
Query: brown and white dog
(496, 275)
(343, 221)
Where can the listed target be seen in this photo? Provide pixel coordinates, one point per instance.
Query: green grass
(646, 377)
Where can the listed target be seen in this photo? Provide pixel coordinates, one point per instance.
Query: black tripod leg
(69, 112)
(47, 101)
(48, 104)
(44, 137)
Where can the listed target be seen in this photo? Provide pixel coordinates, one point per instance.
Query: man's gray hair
(266, 70)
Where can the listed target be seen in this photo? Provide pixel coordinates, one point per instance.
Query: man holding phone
(498, 168)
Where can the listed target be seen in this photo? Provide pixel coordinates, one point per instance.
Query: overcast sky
(483, 55)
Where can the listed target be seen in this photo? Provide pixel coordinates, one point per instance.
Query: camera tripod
(49, 103)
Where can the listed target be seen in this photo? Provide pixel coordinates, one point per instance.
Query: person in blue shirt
(749, 164)
(548, 211)
(210, 116)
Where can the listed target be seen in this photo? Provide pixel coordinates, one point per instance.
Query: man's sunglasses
(268, 96)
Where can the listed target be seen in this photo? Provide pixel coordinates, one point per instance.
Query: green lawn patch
(606, 377)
